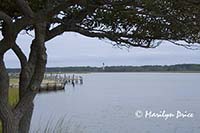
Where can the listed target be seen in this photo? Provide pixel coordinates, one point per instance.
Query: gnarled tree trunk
(17, 119)
(9, 122)
(25, 122)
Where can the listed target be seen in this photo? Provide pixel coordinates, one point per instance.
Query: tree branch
(54, 32)
(67, 24)
(4, 81)
(24, 74)
(17, 50)
(40, 59)
(5, 109)
(25, 8)
(5, 17)
(35, 68)
(115, 37)
(3, 46)
(63, 5)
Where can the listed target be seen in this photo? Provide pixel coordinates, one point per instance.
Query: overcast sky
(71, 49)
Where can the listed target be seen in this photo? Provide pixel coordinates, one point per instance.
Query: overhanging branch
(55, 32)
(25, 8)
(5, 17)
(17, 50)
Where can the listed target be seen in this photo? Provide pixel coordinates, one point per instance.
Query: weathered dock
(60, 81)
(64, 78)
(51, 87)
(45, 87)
(55, 82)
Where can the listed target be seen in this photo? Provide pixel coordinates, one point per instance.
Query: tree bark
(9, 122)
(4, 82)
(18, 119)
(25, 122)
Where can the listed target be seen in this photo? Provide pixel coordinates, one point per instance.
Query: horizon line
(117, 65)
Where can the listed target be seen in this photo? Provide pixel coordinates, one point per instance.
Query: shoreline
(123, 72)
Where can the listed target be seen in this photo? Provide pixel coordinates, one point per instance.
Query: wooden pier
(55, 82)
(51, 87)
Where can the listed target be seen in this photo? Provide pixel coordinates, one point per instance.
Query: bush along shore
(146, 68)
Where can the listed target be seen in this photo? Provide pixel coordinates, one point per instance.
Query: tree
(138, 23)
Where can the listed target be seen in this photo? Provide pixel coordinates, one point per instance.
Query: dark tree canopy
(138, 23)
(125, 22)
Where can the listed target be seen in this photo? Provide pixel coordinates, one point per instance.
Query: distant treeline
(147, 68)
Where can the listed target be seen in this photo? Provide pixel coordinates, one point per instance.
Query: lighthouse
(103, 67)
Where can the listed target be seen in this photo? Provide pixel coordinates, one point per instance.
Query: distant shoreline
(179, 68)
(132, 72)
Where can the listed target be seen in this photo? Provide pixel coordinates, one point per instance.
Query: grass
(13, 97)
(59, 126)
(14, 81)
(13, 100)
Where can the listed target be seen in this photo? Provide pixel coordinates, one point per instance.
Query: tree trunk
(25, 122)
(18, 119)
(13, 125)
(10, 125)
(4, 82)
(8, 120)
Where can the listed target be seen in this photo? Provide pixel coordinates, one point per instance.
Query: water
(107, 102)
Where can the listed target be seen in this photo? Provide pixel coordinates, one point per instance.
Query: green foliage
(10, 7)
(13, 100)
(127, 23)
(13, 96)
(13, 93)
(172, 68)
(153, 68)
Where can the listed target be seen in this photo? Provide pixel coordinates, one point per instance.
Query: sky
(72, 49)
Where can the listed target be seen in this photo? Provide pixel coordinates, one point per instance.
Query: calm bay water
(107, 102)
